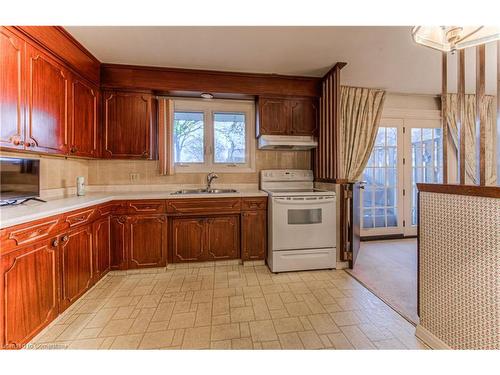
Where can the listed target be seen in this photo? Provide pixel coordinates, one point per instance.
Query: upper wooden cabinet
(127, 125)
(12, 90)
(286, 116)
(84, 119)
(47, 110)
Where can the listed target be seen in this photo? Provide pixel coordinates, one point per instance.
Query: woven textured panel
(460, 269)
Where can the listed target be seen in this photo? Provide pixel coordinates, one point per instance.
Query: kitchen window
(213, 135)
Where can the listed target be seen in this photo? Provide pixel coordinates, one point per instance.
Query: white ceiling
(383, 57)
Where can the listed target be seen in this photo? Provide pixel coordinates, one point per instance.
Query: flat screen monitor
(19, 178)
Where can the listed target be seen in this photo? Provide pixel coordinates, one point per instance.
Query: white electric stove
(302, 224)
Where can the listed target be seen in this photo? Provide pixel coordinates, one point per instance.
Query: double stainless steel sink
(204, 191)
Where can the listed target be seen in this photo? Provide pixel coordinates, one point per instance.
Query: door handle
(362, 184)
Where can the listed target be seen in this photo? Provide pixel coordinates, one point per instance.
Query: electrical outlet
(134, 177)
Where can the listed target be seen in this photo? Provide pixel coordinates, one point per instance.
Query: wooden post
(480, 112)
(461, 113)
(444, 122)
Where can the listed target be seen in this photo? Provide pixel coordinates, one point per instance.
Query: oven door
(306, 222)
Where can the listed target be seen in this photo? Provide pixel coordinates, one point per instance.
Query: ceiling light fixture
(452, 38)
(207, 95)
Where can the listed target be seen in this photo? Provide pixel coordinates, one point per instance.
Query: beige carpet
(389, 269)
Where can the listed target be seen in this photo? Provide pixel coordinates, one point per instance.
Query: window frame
(209, 107)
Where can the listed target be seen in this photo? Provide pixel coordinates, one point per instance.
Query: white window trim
(209, 107)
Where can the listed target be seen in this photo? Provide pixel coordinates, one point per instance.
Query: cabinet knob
(55, 243)
(30, 143)
(73, 149)
(64, 238)
(15, 140)
(145, 155)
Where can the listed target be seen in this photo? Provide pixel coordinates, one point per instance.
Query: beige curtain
(361, 109)
(165, 128)
(471, 151)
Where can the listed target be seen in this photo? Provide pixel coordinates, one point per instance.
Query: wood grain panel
(118, 244)
(222, 237)
(188, 240)
(472, 190)
(147, 236)
(146, 206)
(172, 79)
(76, 264)
(203, 205)
(253, 203)
(12, 90)
(480, 110)
(127, 125)
(253, 235)
(461, 113)
(47, 126)
(273, 116)
(444, 122)
(30, 293)
(102, 247)
(80, 217)
(304, 116)
(83, 125)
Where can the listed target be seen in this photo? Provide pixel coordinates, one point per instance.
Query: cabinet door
(253, 235)
(304, 116)
(223, 237)
(127, 125)
(83, 127)
(76, 264)
(29, 292)
(188, 240)
(147, 241)
(274, 118)
(102, 247)
(118, 246)
(47, 127)
(12, 99)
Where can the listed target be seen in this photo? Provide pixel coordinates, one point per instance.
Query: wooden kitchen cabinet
(117, 235)
(47, 108)
(76, 264)
(127, 125)
(83, 127)
(287, 116)
(12, 89)
(29, 291)
(102, 247)
(188, 240)
(222, 237)
(147, 240)
(253, 235)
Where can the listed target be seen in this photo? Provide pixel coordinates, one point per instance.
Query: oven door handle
(314, 201)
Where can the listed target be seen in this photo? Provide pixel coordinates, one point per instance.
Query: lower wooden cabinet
(253, 235)
(147, 241)
(205, 238)
(102, 247)
(29, 292)
(118, 258)
(76, 264)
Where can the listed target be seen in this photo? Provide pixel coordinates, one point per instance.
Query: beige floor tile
(221, 319)
(297, 309)
(286, 325)
(236, 301)
(163, 312)
(196, 338)
(127, 342)
(116, 328)
(182, 307)
(345, 318)
(326, 341)
(225, 332)
(277, 314)
(340, 342)
(374, 333)
(89, 333)
(50, 334)
(87, 344)
(271, 345)
(244, 329)
(242, 314)
(357, 338)
(106, 344)
(220, 306)
(242, 344)
(323, 324)
(311, 340)
(101, 318)
(221, 345)
(157, 326)
(389, 344)
(178, 337)
(156, 340)
(183, 320)
(124, 312)
(73, 330)
(262, 330)
(274, 301)
(290, 341)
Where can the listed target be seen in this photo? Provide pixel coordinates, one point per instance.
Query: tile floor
(228, 306)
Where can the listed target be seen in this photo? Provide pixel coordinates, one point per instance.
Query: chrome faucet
(210, 177)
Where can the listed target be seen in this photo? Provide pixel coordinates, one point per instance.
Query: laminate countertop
(29, 211)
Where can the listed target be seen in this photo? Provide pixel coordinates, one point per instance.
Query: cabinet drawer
(205, 206)
(250, 204)
(146, 206)
(109, 208)
(28, 233)
(80, 217)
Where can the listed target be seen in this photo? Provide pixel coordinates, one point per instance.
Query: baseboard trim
(429, 339)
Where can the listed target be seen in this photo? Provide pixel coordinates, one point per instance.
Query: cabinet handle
(145, 155)
(73, 149)
(55, 243)
(81, 218)
(64, 238)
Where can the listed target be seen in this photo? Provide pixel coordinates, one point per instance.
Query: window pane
(188, 137)
(229, 137)
(392, 134)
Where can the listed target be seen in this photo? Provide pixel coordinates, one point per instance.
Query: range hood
(286, 142)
